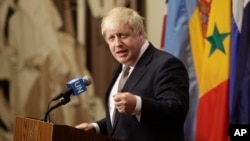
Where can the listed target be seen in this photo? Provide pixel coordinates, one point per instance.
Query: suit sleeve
(102, 125)
(170, 92)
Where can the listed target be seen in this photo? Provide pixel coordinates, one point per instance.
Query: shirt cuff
(97, 128)
(137, 111)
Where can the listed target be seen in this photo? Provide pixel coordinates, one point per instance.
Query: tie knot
(126, 71)
(123, 78)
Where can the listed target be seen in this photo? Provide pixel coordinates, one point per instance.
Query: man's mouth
(122, 53)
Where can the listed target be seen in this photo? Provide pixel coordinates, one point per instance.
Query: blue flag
(241, 93)
(177, 42)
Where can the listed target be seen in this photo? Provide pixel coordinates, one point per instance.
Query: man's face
(124, 44)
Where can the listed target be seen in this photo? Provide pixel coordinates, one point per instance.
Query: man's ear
(140, 34)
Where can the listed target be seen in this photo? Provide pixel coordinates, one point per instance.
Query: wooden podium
(27, 129)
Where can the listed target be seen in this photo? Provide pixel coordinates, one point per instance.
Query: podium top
(28, 129)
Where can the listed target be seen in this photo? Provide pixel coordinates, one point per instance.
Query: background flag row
(212, 38)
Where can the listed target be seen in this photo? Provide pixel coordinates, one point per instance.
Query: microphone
(75, 87)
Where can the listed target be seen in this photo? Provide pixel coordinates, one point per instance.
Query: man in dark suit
(153, 103)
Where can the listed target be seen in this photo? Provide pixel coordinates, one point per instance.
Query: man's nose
(118, 41)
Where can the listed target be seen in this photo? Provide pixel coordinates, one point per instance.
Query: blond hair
(123, 16)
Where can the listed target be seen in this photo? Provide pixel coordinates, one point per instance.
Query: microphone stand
(64, 101)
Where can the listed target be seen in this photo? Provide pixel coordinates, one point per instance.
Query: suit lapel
(114, 77)
(139, 70)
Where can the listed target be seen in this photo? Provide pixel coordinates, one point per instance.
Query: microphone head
(87, 80)
(78, 85)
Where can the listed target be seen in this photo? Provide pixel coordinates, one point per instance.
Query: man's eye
(111, 38)
(124, 35)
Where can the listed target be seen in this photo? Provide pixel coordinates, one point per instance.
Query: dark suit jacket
(161, 80)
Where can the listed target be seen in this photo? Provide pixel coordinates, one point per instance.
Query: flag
(240, 110)
(237, 14)
(177, 42)
(198, 33)
(213, 75)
